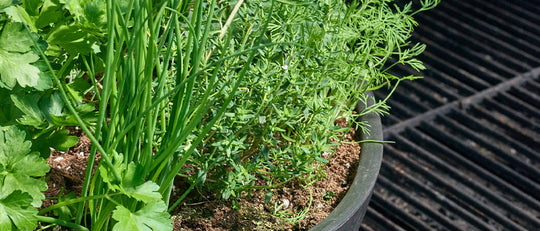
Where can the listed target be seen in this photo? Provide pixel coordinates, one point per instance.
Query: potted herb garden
(193, 110)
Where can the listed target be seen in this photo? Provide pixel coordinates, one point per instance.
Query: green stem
(104, 155)
(73, 201)
(60, 222)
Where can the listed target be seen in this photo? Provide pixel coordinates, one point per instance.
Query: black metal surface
(467, 136)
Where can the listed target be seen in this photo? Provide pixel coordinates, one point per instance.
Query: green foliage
(20, 191)
(19, 167)
(153, 216)
(26, 81)
(16, 212)
(282, 117)
(226, 93)
(16, 57)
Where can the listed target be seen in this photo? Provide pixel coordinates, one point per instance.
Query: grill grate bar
(464, 6)
(446, 203)
(468, 180)
(454, 70)
(451, 187)
(502, 171)
(418, 204)
(509, 127)
(379, 222)
(516, 15)
(480, 141)
(463, 182)
(486, 38)
(466, 51)
(512, 114)
(518, 105)
(441, 92)
(464, 102)
(527, 96)
(449, 165)
(467, 136)
(483, 75)
(422, 93)
(431, 25)
(477, 126)
(451, 82)
(412, 104)
(493, 30)
(402, 112)
(397, 215)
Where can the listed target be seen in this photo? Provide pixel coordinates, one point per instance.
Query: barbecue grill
(467, 136)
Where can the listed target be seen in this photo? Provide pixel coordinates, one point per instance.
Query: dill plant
(282, 119)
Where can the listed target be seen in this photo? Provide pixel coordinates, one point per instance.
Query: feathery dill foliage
(282, 117)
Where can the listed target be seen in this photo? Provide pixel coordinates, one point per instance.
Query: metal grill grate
(467, 136)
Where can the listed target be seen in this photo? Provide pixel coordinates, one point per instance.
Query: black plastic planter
(350, 211)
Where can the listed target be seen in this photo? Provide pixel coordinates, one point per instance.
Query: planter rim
(348, 214)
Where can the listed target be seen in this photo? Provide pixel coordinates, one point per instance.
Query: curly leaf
(153, 216)
(16, 212)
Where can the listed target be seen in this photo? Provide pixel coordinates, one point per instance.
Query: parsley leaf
(16, 213)
(18, 166)
(28, 104)
(153, 216)
(16, 56)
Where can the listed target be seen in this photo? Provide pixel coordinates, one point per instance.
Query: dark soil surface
(68, 169)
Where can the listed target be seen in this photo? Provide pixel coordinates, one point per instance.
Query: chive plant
(150, 112)
(228, 94)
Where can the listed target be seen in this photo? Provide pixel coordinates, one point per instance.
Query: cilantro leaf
(16, 57)
(153, 216)
(16, 213)
(18, 166)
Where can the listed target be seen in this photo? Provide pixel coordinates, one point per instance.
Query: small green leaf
(61, 140)
(17, 68)
(267, 197)
(16, 212)
(45, 77)
(153, 216)
(74, 39)
(28, 104)
(16, 56)
(146, 192)
(50, 13)
(19, 166)
(15, 38)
